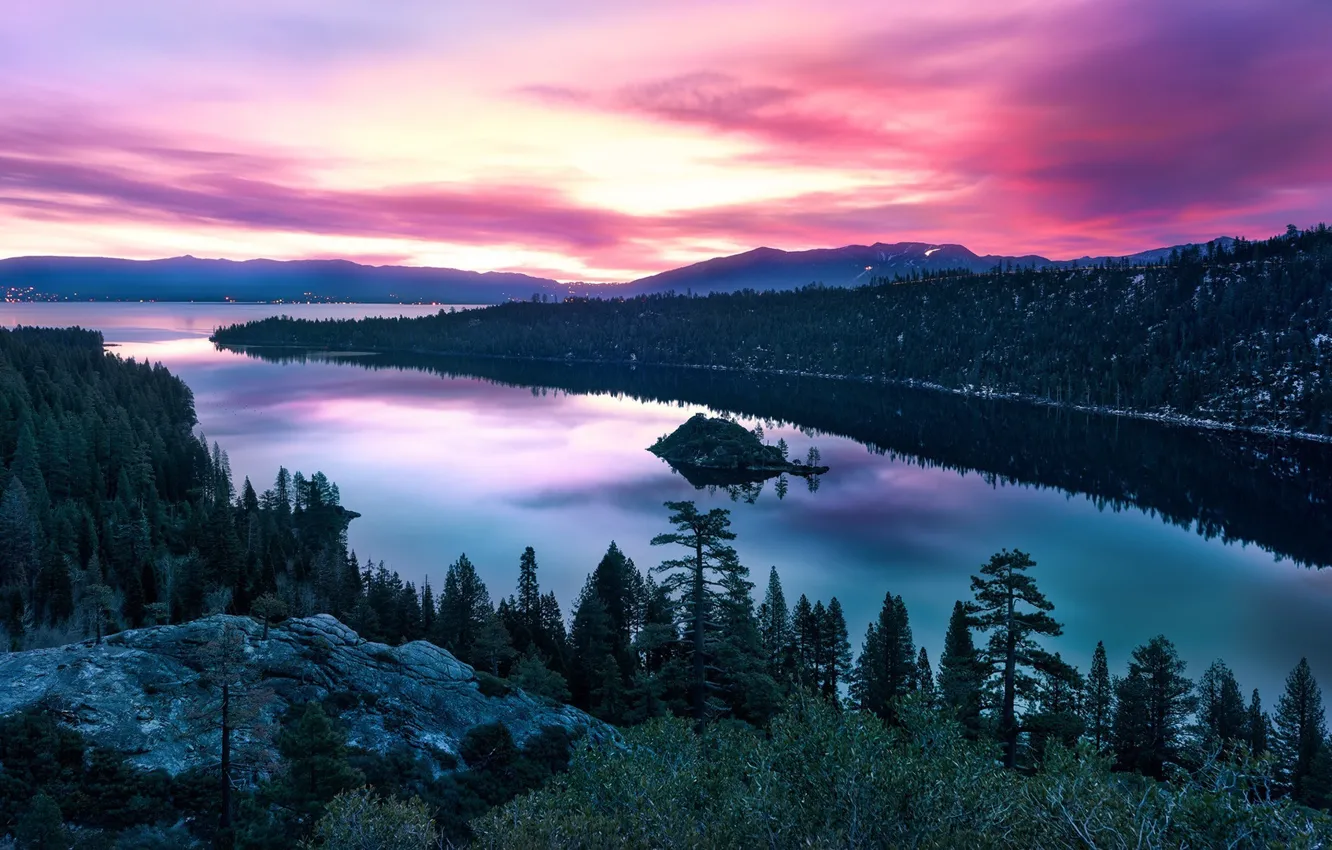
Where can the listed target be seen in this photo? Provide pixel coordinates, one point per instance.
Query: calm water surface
(443, 462)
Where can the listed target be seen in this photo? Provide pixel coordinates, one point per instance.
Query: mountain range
(192, 279)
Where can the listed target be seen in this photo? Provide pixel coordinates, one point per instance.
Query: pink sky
(589, 139)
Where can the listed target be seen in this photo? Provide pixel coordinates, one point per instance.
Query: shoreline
(912, 383)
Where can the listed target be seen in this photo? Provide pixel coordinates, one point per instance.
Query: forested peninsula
(1236, 335)
(745, 719)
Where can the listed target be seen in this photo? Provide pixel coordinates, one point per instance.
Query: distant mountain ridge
(852, 265)
(192, 279)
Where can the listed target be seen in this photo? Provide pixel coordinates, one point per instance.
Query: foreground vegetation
(1240, 335)
(58, 791)
(821, 777)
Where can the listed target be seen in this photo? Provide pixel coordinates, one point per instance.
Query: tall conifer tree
(1011, 608)
(886, 670)
(696, 580)
(775, 624)
(1222, 716)
(1099, 706)
(961, 673)
(1300, 729)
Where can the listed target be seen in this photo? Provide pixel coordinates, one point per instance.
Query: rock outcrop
(144, 691)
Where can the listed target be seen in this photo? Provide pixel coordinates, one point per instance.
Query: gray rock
(141, 691)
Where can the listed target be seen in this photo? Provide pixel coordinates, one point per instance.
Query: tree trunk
(224, 822)
(1008, 723)
(700, 670)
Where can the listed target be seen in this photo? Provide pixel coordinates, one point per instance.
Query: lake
(1211, 538)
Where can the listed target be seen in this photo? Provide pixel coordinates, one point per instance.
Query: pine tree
(238, 706)
(25, 467)
(96, 603)
(531, 675)
(1152, 704)
(1299, 729)
(41, 826)
(527, 604)
(595, 680)
(1055, 703)
(925, 677)
(999, 595)
(1222, 718)
(282, 496)
(552, 627)
(464, 606)
(887, 667)
(805, 641)
(695, 581)
(836, 650)
(619, 585)
(268, 608)
(816, 655)
(1257, 725)
(775, 624)
(428, 610)
(318, 769)
(658, 685)
(1317, 786)
(961, 674)
(1099, 706)
(746, 688)
(19, 540)
(492, 647)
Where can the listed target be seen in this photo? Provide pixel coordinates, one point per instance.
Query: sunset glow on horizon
(591, 140)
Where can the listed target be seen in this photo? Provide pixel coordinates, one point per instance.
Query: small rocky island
(714, 451)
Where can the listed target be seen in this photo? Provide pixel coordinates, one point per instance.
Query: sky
(609, 139)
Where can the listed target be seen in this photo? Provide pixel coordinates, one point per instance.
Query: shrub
(358, 820)
(824, 777)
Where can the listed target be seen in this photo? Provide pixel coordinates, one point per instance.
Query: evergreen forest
(1237, 334)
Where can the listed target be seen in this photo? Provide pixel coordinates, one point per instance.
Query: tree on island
(1011, 608)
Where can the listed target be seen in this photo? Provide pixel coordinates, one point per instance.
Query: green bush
(358, 820)
(823, 777)
(492, 686)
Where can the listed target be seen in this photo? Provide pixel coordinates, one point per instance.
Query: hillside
(1239, 336)
(852, 265)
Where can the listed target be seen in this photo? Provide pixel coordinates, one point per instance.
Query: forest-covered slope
(114, 513)
(1238, 334)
